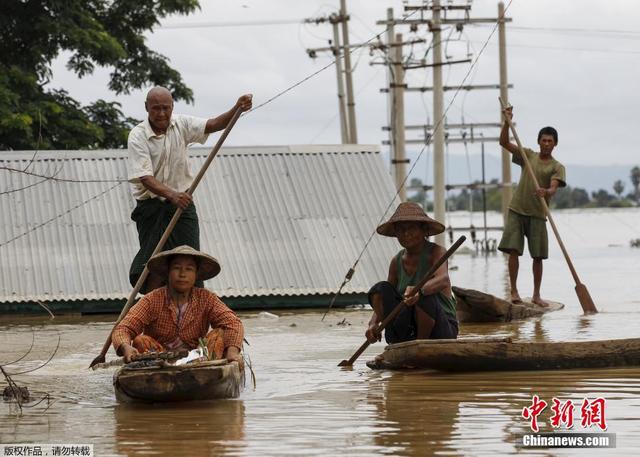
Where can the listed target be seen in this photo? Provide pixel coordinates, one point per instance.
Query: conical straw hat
(410, 212)
(208, 266)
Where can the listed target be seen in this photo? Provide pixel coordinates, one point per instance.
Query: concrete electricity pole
(504, 94)
(438, 134)
(399, 157)
(348, 129)
(351, 104)
(435, 134)
(337, 53)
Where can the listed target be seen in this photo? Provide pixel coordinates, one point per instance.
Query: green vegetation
(566, 197)
(105, 33)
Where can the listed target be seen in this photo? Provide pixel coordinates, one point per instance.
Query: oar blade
(344, 363)
(585, 299)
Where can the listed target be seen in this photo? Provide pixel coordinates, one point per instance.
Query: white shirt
(163, 156)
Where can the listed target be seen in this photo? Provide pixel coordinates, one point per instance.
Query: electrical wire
(276, 96)
(36, 227)
(427, 142)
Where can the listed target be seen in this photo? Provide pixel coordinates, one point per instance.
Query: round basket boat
(210, 380)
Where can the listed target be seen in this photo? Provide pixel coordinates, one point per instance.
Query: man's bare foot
(515, 297)
(540, 302)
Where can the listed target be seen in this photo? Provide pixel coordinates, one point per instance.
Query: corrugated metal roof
(283, 220)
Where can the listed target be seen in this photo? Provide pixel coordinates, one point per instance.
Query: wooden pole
(581, 290)
(165, 236)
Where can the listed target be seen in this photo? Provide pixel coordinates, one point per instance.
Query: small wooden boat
(476, 306)
(163, 382)
(501, 354)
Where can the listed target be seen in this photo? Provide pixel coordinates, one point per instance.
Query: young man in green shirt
(526, 217)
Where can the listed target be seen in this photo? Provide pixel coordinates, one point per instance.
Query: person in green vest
(526, 217)
(431, 312)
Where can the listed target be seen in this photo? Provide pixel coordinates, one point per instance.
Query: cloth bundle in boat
(215, 344)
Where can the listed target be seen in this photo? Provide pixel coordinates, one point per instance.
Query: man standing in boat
(431, 312)
(526, 217)
(160, 175)
(176, 316)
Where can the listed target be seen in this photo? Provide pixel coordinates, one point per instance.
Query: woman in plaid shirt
(176, 316)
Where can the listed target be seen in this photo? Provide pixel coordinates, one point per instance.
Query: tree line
(565, 197)
(94, 33)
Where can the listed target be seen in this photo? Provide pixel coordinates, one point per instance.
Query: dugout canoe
(162, 382)
(502, 354)
(475, 306)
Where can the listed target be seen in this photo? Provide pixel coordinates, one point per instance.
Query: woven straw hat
(208, 266)
(410, 212)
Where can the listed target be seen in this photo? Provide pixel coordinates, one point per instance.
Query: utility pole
(438, 134)
(393, 140)
(348, 129)
(504, 94)
(344, 130)
(351, 104)
(399, 158)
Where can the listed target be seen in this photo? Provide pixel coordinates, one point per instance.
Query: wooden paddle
(581, 290)
(392, 315)
(165, 236)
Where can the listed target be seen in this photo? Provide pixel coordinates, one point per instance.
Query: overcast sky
(574, 65)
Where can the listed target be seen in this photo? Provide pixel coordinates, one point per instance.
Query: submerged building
(286, 223)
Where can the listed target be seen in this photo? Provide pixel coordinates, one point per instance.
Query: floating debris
(16, 393)
(344, 323)
(267, 315)
(635, 243)
(293, 325)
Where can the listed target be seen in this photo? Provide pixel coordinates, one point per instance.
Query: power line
(53, 177)
(566, 48)
(59, 215)
(605, 32)
(437, 125)
(208, 25)
(330, 64)
(277, 95)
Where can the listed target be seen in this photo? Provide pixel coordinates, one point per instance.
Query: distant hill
(589, 177)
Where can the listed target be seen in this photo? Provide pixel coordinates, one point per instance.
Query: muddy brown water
(304, 404)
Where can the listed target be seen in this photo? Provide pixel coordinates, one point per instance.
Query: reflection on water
(417, 420)
(170, 430)
(305, 405)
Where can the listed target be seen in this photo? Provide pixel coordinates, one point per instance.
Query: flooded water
(304, 404)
